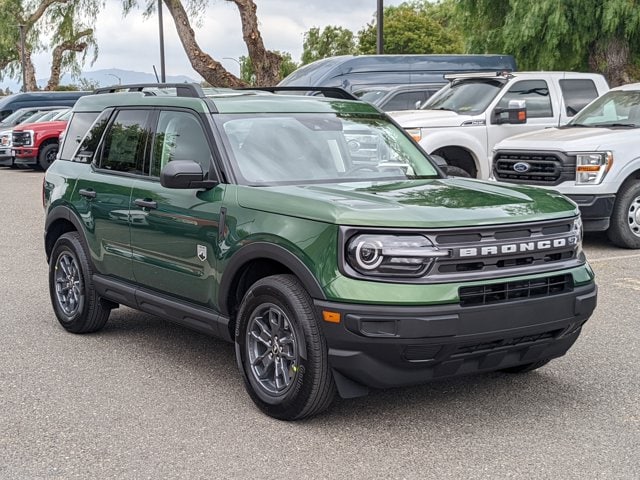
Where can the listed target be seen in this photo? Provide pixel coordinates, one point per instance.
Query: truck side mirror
(515, 113)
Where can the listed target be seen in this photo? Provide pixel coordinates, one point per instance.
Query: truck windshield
(616, 108)
(277, 149)
(468, 97)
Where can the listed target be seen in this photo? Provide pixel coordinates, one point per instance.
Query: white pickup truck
(463, 121)
(594, 160)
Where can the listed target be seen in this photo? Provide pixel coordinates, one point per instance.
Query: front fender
(457, 137)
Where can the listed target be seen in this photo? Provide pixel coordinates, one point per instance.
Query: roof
(227, 101)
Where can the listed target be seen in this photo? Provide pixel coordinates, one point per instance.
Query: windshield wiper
(579, 125)
(624, 125)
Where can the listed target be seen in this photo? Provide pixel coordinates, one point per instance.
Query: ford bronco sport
(250, 216)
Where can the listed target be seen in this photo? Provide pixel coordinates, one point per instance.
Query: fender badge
(202, 252)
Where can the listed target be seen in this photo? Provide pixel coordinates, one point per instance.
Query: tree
(266, 63)
(597, 35)
(328, 43)
(66, 22)
(247, 73)
(415, 27)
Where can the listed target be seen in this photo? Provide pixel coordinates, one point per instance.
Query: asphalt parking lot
(147, 399)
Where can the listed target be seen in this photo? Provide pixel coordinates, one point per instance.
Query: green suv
(312, 232)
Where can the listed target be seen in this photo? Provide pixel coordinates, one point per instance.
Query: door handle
(87, 193)
(144, 203)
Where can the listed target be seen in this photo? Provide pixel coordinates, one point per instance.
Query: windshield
(50, 115)
(34, 117)
(467, 96)
(16, 117)
(618, 108)
(371, 96)
(320, 148)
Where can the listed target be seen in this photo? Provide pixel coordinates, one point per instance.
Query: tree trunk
(30, 71)
(212, 71)
(611, 58)
(73, 45)
(266, 64)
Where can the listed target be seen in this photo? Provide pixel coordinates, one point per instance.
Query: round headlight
(369, 254)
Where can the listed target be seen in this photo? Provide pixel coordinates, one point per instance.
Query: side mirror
(515, 113)
(417, 105)
(184, 174)
(441, 163)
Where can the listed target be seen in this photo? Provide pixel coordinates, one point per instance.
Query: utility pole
(163, 76)
(23, 59)
(380, 28)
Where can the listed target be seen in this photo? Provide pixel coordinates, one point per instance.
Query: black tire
(47, 155)
(453, 171)
(69, 266)
(527, 367)
(624, 230)
(301, 351)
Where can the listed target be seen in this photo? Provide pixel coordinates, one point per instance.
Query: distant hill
(106, 77)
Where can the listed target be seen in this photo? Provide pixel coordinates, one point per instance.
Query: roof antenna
(155, 72)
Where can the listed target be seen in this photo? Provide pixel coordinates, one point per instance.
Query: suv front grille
(21, 139)
(544, 168)
(517, 290)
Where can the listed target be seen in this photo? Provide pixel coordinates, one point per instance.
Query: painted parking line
(619, 257)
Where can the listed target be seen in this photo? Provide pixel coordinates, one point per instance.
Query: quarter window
(125, 142)
(179, 136)
(536, 95)
(80, 123)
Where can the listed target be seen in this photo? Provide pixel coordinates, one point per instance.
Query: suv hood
(429, 118)
(578, 139)
(411, 203)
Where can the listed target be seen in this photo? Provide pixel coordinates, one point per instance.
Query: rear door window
(577, 94)
(125, 143)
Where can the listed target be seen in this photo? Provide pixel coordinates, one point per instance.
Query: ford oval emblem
(521, 167)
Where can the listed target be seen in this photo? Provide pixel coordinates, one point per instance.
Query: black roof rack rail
(329, 92)
(182, 89)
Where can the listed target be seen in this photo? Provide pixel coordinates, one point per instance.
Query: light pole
(379, 28)
(116, 76)
(163, 76)
(23, 59)
(238, 62)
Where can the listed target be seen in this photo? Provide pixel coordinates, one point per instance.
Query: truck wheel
(75, 302)
(47, 155)
(624, 230)
(281, 351)
(527, 367)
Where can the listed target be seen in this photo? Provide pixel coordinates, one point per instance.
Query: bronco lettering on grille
(520, 247)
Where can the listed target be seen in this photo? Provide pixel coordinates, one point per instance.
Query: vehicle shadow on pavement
(491, 397)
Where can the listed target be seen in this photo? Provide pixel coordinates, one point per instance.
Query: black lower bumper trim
(595, 210)
(413, 345)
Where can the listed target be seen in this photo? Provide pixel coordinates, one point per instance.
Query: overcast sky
(131, 42)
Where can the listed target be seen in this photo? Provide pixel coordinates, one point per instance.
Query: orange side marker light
(331, 317)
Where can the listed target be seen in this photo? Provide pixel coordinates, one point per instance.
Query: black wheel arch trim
(62, 212)
(266, 251)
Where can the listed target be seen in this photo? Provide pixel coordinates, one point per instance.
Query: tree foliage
(327, 43)
(599, 35)
(67, 23)
(247, 74)
(415, 27)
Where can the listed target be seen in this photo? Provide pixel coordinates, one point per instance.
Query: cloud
(132, 42)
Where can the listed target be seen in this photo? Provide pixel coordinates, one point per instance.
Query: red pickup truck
(36, 144)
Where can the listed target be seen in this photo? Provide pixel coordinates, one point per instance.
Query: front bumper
(595, 210)
(6, 157)
(382, 346)
(25, 155)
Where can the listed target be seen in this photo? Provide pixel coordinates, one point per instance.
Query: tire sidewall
(620, 231)
(42, 157)
(292, 399)
(68, 245)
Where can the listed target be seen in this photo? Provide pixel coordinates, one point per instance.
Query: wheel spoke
(258, 337)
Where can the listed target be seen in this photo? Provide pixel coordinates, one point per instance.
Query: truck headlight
(382, 255)
(592, 167)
